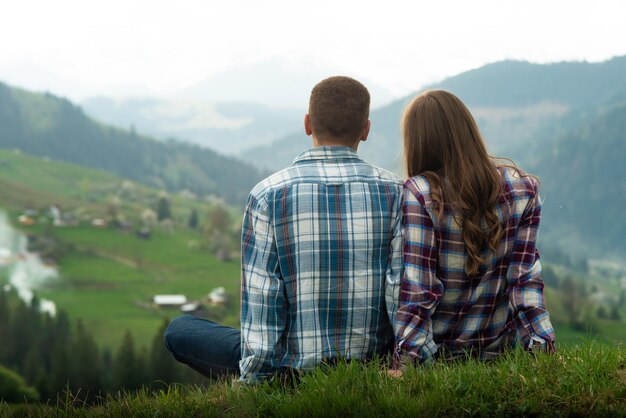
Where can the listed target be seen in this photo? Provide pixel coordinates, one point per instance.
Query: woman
(472, 282)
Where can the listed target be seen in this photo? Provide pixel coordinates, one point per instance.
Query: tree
(163, 367)
(615, 315)
(163, 208)
(13, 389)
(571, 302)
(126, 373)
(602, 313)
(61, 366)
(86, 377)
(217, 232)
(581, 265)
(193, 219)
(549, 277)
(6, 347)
(107, 370)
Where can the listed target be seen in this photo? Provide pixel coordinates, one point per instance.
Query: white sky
(80, 47)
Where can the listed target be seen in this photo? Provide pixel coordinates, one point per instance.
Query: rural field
(108, 276)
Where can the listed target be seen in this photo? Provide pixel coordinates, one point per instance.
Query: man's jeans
(210, 349)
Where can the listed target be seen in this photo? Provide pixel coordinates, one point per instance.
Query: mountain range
(564, 122)
(53, 127)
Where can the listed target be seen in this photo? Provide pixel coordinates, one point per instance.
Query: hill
(535, 114)
(584, 187)
(225, 127)
(514, 102)
(113, 268)
(45, 125)
(589, 380)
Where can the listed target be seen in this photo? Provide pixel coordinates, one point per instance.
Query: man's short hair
(339, 108)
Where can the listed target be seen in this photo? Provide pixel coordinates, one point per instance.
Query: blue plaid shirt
(321, 263)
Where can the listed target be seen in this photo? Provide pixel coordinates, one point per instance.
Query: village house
(169, 301)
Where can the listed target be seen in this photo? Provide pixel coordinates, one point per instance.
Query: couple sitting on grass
(344, 260)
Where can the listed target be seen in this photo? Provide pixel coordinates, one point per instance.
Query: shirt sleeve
(262, 296)
(420, 290)
(525, 285)
(394, 266)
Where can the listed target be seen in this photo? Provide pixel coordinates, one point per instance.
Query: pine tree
(163, 209)
(26, 329)
(126, 372)
(7, 345)
(615, 315)
(86, 379)
(61, 364)
(193, 219)
(162, 364)
(107, 370)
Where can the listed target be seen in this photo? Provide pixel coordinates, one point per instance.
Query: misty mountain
(224, 127)
(46, 125)
(274, 82)
(583, 179)
(564, 122)
(248, 106)
(518, 106)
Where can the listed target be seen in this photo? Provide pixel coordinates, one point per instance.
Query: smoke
(25, 270)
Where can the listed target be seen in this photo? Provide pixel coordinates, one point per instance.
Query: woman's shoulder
(419, 187)
(516, 182)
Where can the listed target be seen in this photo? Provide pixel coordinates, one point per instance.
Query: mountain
(564, 122)
(230, 112)
(515, 104)
(273, 82)
(225, 127)
(584, 186)
(46, 125)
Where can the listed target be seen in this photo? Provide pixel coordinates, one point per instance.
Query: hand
(395, 373)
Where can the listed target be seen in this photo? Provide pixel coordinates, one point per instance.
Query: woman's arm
(421, 289)
(525, 285)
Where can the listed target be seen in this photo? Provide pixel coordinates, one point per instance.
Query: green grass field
(110, 278)
(586, 380)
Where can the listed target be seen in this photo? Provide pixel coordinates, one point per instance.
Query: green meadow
(108, 277)
(586, 380)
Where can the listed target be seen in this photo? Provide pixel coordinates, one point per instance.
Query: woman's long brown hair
(443, 144)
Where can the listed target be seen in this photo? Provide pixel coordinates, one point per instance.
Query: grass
(585, 380)
(110, 278)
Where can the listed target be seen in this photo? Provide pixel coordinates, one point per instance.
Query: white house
(169, 300)
(217, 296)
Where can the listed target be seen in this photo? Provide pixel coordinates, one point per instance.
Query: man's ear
(307, 125)
(366, 131)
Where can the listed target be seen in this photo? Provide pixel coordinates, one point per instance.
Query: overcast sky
(80, 48)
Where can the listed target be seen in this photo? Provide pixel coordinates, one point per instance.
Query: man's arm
(262, 296)
(421, 290)
(525, 285)
(394, 266)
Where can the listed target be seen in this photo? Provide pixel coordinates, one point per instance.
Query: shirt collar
(327, 153)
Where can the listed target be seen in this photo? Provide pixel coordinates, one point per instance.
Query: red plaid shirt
(441, 308)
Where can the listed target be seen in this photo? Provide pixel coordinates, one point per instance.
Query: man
(321, 255)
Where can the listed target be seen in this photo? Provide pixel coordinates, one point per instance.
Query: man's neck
(334, 143)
